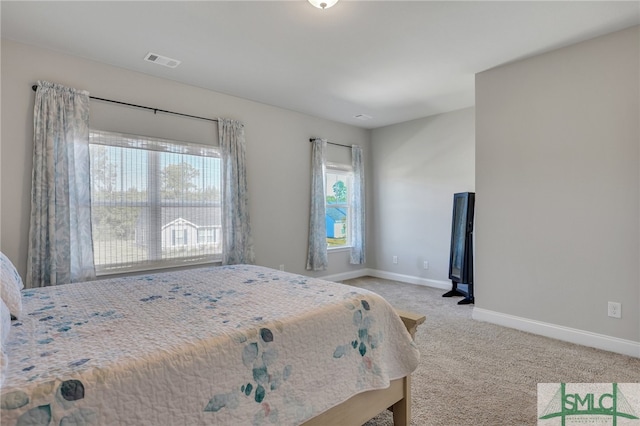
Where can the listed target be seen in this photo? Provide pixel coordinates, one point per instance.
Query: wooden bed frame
(363, 407)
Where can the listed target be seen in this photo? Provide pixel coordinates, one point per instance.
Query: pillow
(5, 324)
(10, 286)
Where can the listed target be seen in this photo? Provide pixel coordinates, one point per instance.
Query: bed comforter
(233, 345)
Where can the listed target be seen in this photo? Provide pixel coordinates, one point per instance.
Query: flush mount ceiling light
(323, 4)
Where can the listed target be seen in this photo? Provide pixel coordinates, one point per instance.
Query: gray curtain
(317, 256)
(237, 245)
(357, 208)
(60, 246)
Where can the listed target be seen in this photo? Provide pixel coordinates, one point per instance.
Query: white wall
(418, 166)
(558, 188)
(278, 148)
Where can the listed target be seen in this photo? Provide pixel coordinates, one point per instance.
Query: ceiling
(391, 60)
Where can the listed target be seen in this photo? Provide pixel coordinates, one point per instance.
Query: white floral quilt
(233, 345)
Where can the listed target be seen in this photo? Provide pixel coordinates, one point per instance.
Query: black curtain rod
(331, 143)
(155, 110)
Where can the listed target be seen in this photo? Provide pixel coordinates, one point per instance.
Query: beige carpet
(475, 373)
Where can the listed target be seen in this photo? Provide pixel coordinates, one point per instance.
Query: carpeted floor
(475, 373)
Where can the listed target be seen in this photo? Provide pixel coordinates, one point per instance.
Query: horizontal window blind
(155, 202)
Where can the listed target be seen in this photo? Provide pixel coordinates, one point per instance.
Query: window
(154, 202)
(207, 235)
(338, 186)
(179, 237)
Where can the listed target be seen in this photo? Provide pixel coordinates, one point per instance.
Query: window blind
(155, 202)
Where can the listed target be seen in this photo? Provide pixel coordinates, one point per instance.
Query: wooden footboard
(364, 406)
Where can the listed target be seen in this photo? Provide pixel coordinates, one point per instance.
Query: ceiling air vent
(161, 60)
(363, 117)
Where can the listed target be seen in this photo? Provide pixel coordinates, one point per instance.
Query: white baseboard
(409, 279)
(347, 275)
(567, 334)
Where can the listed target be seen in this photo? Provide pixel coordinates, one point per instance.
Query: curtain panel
(237, 244)
(60, 246)
(357, 203)
(317, 258)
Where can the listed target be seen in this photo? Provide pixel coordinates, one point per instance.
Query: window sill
(338, 249)
(161, 267)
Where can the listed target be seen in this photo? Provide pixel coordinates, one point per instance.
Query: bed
(231, 345)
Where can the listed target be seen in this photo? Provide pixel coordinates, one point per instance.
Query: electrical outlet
(426, 265)
(615, 310)
(395, 259)
(282, 267)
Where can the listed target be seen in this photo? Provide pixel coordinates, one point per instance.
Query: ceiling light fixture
(323, 4)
